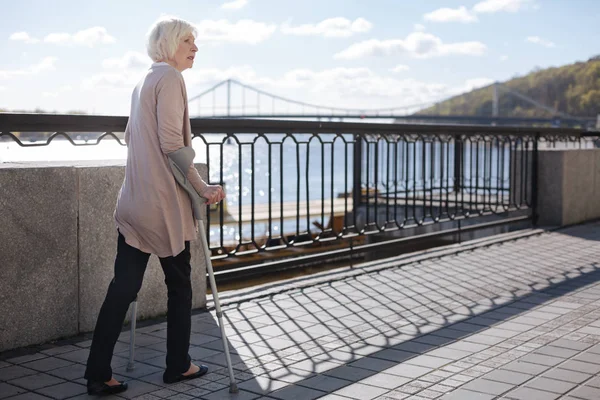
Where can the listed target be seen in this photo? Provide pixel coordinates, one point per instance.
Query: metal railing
(302, 192)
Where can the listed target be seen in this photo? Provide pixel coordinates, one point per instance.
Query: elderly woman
(153, 213)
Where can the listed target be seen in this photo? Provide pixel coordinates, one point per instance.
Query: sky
(69, 55)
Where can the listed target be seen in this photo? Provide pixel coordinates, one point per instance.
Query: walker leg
(213, 286)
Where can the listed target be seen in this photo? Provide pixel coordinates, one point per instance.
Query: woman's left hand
(213, 194)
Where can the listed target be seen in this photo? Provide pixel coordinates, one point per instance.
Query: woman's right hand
(213, 194)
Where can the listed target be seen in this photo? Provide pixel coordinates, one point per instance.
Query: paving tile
(69, 373)
(30, 396)
(14, 372)
(80, 355)
(296, 392)
(386, 381)
(408, 371)
(488, 387)
(63, 390)
(580, 366)
(570, 344)
(433, 340)
(336, 397)
(32, 382)
(262, 385)
(59, 350)
(426, 360)
(326, 383)
(462, 394)
(501, 333)
(350, 373)
(512, 326)
(164, 393)
(414, 386)
(26, 358)
(566, 375)
(586, 392)
(47, 364)
(317, 366)
(469, 347)
(595, 349)
(181, 396)
(526, 393)
(393, 355)
(594, 382)
(224, 395)
(414, 347)
(140, 370)
(180, 387)
(510, 377)
(440, 388)
(542, 359)
(554, 351)
(138, 388)
(8, 390)
(588, 357)
(372, 364)
(482, 338)
(361, 391)
(551, 385)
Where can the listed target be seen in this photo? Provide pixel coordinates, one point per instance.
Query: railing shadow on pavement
(388, 317)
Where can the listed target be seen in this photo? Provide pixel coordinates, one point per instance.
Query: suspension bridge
(233, 99)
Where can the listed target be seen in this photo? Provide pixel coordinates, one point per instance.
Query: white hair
(164, 37)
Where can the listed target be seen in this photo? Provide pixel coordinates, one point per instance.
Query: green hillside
(572, 89)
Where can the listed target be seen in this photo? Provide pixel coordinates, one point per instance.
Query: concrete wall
(57, 250)
(568, 186)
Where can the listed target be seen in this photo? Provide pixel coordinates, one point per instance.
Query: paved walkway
(513, 317)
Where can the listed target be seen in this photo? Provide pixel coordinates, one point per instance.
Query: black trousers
(130, 265)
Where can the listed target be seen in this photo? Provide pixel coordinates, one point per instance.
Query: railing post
(458, 163)
(229, 97)
(357, 175)
(534, 180)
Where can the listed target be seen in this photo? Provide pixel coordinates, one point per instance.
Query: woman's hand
(213, 194)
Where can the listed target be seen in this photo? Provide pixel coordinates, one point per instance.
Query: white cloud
(503, 58)
(23, 37)
(419, 28)
(461, 14)
(124, 80)
(131, 60)
(464, 15)
(87, 37)
(417, 45)
(122, 74)
(2, 88)
(400, 68)
(243, 31)
(62, 89)
(540, 41)
(332, 27)
(46, 64)
(234, 5)
(493, 6)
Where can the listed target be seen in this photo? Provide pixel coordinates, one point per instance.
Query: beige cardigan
(153, 212)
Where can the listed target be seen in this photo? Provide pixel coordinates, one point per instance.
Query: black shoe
(102, 389)
(178, 378)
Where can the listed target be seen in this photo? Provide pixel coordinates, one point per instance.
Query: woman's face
(185, 54)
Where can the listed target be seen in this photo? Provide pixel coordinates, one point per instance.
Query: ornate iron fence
(301, 192)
